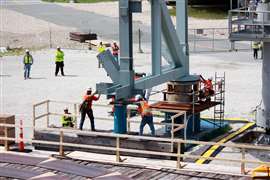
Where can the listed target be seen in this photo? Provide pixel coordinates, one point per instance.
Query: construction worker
(207, 90)
(28, 62)
(101, 47)
(255, 47)
(59, 61)
(67, 121)
(86, 108)
(146, 114)
(115, 50)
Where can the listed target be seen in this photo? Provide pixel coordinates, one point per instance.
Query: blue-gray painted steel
(156, 36)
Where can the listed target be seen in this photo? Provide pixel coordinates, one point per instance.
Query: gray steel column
(126, 46)
(266, 82)
(156, 36)
(182, 29)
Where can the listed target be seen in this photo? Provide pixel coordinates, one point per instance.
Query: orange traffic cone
(21, 143)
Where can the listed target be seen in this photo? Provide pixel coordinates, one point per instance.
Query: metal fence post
(34, 119)
(243, 163)
(117, 149)
(140, 36)
(178, 165)
(61, 149)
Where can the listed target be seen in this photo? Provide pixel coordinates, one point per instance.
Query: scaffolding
(219, 87)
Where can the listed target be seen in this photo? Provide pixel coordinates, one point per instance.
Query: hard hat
(210, 78)
(58, 47)
(138, 97)
(89, 89)
(27, 50)
(66, 109)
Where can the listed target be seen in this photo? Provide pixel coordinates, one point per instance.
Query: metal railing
(250, 23)
(118, 150)
(75, 115)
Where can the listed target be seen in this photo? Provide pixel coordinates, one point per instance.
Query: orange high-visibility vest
(145, 109)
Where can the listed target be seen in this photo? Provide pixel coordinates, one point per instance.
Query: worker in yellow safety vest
(59, 61)
(67, 121)
(255, 47)
(146, 114)
(28, 62)
(101, 47)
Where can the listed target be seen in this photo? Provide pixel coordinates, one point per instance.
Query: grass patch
(204, 13)
(79, 1)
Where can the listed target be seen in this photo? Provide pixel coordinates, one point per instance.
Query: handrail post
(61, 149)
(172, 134)
(243, 163)
(48, 113)
(117, 149)
(178, 163)
(75, 115)
(6, 141)
(34, 119)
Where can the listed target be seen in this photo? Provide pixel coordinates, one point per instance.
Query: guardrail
(118, 150)
(248, 22)
(49, 112)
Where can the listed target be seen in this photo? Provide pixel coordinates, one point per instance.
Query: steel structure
(253, 24)
(123, 85)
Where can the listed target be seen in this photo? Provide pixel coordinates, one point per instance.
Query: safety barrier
(118, 150)
(49, 112)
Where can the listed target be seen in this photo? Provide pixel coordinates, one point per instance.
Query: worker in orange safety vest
(146, 114)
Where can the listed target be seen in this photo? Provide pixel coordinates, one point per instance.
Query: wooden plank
(113, 177)
(74, 168)
(17, 173)
(19, 159)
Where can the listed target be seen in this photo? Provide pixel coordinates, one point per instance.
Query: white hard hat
(58, 47)
(138, 97)
(210, 78)
(66, 109)
(27, 50)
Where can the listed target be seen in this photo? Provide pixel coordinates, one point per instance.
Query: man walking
(59, 61)
(28, 62)
(86, 108)
(147, 116)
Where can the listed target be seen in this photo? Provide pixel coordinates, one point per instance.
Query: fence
(118, 150)
(58, 106)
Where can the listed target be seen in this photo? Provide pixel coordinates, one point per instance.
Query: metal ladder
(219, 86)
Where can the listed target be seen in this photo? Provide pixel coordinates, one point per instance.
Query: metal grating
(18, 159)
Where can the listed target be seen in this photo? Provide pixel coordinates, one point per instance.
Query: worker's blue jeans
(89, 113)
(27, 69)
(147, 120)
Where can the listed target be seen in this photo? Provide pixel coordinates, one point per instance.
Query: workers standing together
(59, 61)
(146, 114)
(86, 108)
(28, 62)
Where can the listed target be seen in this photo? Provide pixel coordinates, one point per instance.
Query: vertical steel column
(126, 62)
(120, 118)
(182, 29)
(156, 36)
(266, 83)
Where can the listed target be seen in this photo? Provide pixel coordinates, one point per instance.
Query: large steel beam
(156, 36)
(170, 37)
